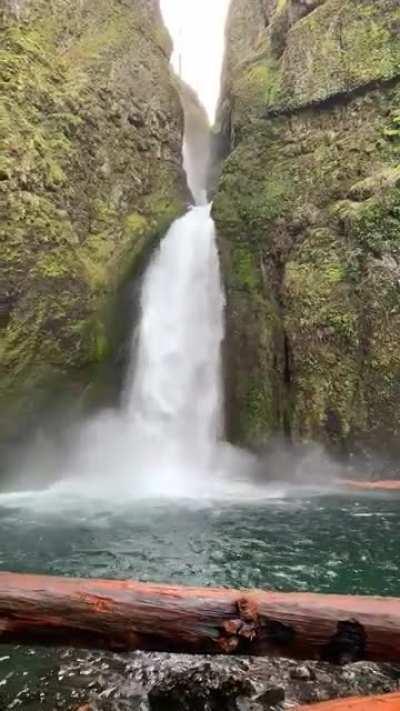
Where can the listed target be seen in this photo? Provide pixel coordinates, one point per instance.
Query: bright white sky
(197, 29)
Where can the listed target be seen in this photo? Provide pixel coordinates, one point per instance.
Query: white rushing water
(173, 398)
(164, 440)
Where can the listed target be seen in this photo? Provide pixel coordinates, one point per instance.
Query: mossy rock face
(90, 171)
(311, 190)
(340, 46)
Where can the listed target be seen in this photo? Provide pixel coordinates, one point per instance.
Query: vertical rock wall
(90, 172)
(308, 211)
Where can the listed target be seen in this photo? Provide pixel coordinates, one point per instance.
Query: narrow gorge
(199, 351)
(304, 176)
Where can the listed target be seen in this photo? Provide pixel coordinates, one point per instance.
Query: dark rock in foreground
(168, 682)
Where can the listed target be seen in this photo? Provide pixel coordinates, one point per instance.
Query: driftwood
(389, 485)
(124, 615)
(387, 702)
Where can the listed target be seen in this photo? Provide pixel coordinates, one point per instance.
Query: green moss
(376, 184)
(99, 345)
(245, 273)
(322, 322)
(374, 223)
(136, 224)
(56, 264)
(307, 209)
(343, 44)
(249, 197)
(256, 88)
(316, 288)
(392, 129)
(84, 183)
(370, 41)
(338, 299)
(258, 385)
(259, 416)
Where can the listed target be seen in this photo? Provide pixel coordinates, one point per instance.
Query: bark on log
(125, 615)
(389, 485)
(387, 702)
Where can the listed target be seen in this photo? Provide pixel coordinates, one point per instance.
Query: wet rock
(205, 688)
(76, 681)
(302, 673)
(271, 697)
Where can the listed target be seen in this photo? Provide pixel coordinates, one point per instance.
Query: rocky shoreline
(168, 682)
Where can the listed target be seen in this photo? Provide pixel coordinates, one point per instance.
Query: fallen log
(389, 485)
(387, 702)
(125, 615)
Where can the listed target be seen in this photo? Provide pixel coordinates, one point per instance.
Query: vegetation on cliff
(308, 210)
(90, 171)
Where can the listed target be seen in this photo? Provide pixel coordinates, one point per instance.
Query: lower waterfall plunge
(173, 397)
(165, 435)
(175, 394)
(166, 439)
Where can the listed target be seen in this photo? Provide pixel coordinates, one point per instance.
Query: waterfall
(171, 423)
(173, 397)
(165, 438)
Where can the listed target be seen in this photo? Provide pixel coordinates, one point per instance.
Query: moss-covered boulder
(308, 211)
(90, 171)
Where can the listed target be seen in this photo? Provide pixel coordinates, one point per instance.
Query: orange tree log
(124, 615)
(387, 702)
(389, 485)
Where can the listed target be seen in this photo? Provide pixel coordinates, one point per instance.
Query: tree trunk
(389, 485)
(387, 702)
(124, 615)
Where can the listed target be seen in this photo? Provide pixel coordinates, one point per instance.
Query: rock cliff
(90, 171)
(308, 211)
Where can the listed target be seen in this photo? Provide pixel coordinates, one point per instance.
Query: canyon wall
(308, 212)
(90, 173)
